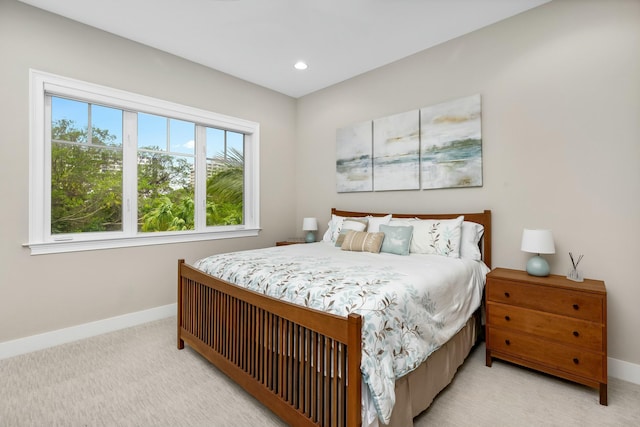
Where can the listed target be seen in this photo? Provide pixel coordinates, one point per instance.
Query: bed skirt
(416, 391)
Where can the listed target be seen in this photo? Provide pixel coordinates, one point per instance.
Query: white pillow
(437, 237)
(335, 225)
(326, 237)
(401, 222)
(354, 224)
(472, 232)
(350, 224)
(376, 221)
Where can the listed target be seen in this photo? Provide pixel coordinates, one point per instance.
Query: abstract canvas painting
(354, 171)
(451, 144)
(396, 152)
(439, 146)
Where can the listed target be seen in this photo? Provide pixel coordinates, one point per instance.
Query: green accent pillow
(397, 239)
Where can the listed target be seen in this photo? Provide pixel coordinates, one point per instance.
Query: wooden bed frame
(301, 363)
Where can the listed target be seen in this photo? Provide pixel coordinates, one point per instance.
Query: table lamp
(537, 242)
(310, 225)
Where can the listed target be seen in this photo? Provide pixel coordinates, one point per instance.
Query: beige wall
(50, 292)
(561, 101)
(560, 93)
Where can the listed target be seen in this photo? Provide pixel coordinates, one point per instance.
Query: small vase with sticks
(575, 274)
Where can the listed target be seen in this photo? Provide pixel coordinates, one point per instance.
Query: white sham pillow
(437, 237)
(401, 222)
(470, 237)
(350, 224)
(376, 221)
(354, 224)
(327, 236)
(331, 230)
(335, 225)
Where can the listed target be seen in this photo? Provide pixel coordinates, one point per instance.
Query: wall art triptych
(439, 146)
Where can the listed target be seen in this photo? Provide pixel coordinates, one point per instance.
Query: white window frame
(41, 241)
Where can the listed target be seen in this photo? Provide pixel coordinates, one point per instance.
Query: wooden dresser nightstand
(290, 242)
(550, 324)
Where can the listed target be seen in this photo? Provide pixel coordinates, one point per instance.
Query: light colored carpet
(137, 377)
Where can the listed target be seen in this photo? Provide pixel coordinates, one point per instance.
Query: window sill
(126, 242)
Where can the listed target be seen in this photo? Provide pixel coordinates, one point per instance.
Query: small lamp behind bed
(310, 225)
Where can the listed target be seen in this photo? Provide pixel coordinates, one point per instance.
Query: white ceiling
(260, 40)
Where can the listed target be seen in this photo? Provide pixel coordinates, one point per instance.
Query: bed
(310, 362)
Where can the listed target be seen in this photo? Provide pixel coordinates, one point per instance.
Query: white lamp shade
(538, 242)
(309, 224)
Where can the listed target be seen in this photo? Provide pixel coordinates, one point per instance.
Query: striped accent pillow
(361, 241)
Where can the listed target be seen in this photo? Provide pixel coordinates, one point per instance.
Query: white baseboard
(617, 368)
(623, 370)
(74, 333)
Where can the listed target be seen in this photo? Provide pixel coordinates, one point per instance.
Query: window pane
(225, 177)
(166, 185)
(152, 131)
(86, 189)
(69, 120)
(165, 192)
(106, 126)
(86, 181)
(235, 141)
(182, 136)
(215, 142)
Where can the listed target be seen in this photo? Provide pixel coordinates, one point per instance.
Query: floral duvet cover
(411, 305)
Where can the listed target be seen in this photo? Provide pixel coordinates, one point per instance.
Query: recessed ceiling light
(301, 65)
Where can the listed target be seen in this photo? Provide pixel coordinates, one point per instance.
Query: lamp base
(538, 266)
(311, 237)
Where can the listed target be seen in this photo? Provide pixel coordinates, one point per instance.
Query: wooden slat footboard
(301, 363)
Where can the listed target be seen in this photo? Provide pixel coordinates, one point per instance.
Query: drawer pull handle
(576, 307)
(507, 318)
(576, 333)
(507, 342)
(576, 360)
(506, 294)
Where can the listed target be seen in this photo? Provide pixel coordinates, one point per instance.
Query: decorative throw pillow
(331, 230)
(471, 234)
(335, 225)
(350, 224)
(361, 241)
(396, 239)
(326, 237)
(437, 237)
(376, 221)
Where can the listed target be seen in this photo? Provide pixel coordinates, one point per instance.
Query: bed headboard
(483, 218)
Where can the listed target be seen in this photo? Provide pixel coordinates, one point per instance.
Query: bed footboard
(301, 363)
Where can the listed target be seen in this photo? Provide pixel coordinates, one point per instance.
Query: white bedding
(411, 305)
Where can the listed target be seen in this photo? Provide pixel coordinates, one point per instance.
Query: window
(112, 169)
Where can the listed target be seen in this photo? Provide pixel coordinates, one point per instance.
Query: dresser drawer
(581, 305)
(565, 330)
(572, 360)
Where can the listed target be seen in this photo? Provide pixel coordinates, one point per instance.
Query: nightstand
(550, 324)
(290, 242)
